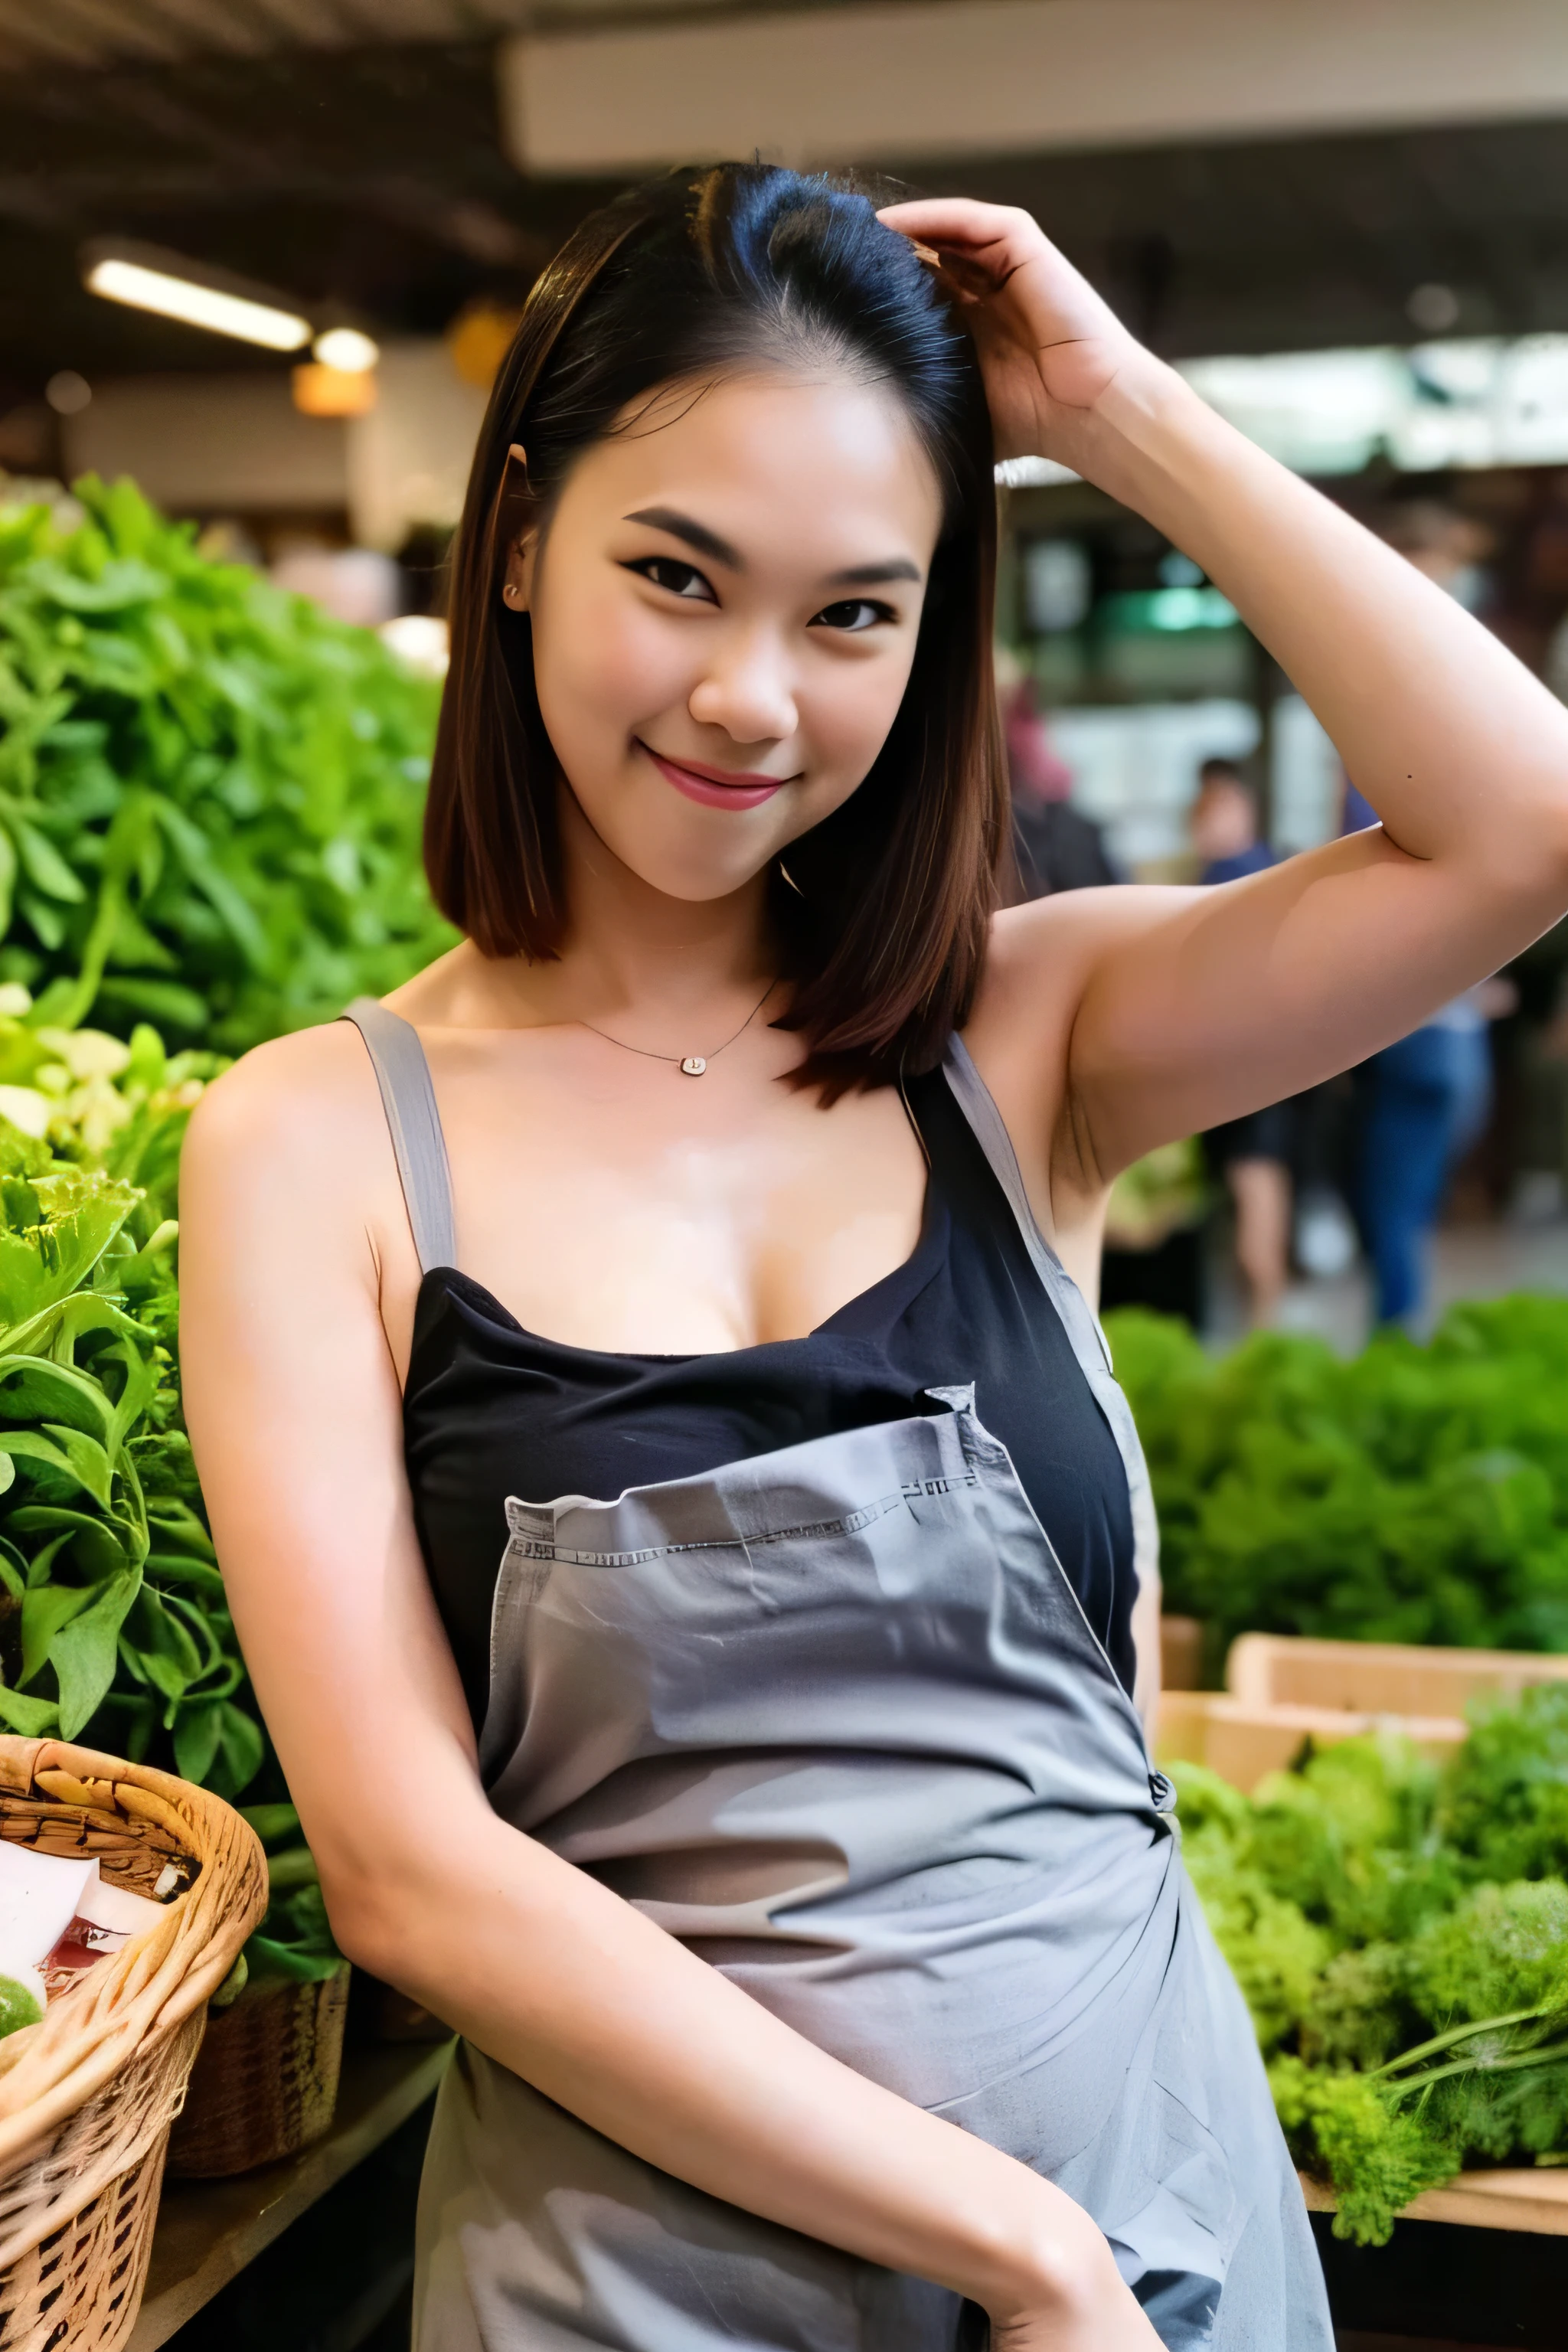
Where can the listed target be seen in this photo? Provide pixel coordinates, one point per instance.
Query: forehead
(795, 470)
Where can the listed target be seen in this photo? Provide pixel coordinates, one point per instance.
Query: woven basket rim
(148, 1989)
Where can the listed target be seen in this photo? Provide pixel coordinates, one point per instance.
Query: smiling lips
(724, 788)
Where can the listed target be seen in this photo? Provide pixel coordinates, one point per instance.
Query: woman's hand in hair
(1050, 347)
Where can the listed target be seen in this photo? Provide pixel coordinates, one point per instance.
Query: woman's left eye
(855, 614)
(678, 579)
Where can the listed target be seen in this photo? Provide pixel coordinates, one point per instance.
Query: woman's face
(725, 606)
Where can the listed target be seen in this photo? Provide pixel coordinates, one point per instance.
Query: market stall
(208, 836)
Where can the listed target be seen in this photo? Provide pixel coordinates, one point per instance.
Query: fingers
(953, 220)
(961, 225)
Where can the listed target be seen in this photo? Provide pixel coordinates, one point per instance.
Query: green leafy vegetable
(294, 1940)
(210, 794)
(1401, 1936)
(113, 1624)
(1417, 1494)
(18, 2006)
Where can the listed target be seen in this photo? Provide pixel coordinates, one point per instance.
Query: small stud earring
(508, 596)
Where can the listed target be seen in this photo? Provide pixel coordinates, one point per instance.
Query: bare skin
(606, 1201)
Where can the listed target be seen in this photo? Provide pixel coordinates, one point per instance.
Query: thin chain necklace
(690, 1066)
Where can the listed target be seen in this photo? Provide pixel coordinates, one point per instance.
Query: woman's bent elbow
(372, 1921)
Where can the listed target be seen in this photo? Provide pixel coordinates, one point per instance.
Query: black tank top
(491, 1410)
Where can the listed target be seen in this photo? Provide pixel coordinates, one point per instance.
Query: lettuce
(113, 1624)
(1413, 2007)
(210, 794)
(1415, 1493)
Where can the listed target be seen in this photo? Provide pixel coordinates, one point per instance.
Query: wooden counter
(209, 2229)
(1527, 2197)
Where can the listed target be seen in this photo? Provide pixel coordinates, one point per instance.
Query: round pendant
(693, 1066)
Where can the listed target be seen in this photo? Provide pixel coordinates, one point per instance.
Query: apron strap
(1078, 1319)
(414, 1122)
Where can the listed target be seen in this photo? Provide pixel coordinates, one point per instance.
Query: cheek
(602, 665)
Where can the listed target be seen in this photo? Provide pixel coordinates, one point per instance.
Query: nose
(748, 690)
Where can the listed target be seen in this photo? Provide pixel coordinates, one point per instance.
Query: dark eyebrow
(875, 575)
(697, 535)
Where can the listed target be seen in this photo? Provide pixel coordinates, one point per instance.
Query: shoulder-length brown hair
(883, 932)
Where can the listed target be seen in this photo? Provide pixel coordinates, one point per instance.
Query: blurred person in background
(1223, 825)
(1425, 1102)
(1058, 848)
(356, 584)
(1251, 1156)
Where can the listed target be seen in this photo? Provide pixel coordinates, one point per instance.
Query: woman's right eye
(678, 579)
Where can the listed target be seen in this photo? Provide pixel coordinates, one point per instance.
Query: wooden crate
(1281, 1690)
(1181, 1652)
(1242, 1740)
(1527, 2197)
(1378, 1678)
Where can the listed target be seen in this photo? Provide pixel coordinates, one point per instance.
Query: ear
(517, 581)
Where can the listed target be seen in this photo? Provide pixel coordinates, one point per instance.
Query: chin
(681, 861)
(691, 879)
(682, 869)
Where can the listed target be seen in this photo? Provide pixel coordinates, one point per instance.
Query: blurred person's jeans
(1424, 1101)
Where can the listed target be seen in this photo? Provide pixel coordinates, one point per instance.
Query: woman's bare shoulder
(1040, 955)
(1041, 960)
(303, 1109)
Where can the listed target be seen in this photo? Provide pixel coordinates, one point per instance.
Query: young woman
(683, 1530)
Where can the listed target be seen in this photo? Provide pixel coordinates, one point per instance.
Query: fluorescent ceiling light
(144, 288)
(347, 351)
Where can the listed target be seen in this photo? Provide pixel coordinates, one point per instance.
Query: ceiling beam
(891, 81)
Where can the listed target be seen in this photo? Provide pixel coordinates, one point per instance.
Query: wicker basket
(86, 2096)
(266, 2084)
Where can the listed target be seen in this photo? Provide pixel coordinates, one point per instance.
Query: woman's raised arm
(1194, 1007)
(293, 1401)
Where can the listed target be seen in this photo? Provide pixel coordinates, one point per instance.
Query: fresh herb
(294, 1941)
(1415, 1493)
(1159, 1194)
(210, 794)
(1401, 1936)
(113, 1621)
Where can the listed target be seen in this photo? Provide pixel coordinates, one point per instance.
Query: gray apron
(835, 1717)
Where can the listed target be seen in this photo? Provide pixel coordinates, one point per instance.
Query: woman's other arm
(1193, 1007)
(293, 1403)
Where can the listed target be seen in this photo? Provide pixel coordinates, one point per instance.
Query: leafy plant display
(1400, 1933)
(210, 794)
(113, 1623)
(294, 1942)
(1415, 1493)
(1164, 1191)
